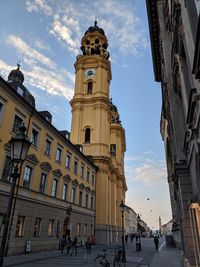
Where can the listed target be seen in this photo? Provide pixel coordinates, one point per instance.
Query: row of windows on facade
(48, 144)
(43, 184)
(53, 227)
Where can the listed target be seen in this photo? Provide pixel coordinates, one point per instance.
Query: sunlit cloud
(38, 5)
(146, 168)
(125, 30)
(28, 52)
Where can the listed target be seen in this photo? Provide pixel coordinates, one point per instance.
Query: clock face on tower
(89, 73)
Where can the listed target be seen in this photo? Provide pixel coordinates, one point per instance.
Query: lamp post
(123, 207)
(19, 146)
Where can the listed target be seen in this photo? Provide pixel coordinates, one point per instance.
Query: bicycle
(102, 260)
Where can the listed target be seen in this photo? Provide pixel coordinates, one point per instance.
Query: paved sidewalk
(167, 257)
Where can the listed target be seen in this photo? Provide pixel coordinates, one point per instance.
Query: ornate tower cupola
(94, 42)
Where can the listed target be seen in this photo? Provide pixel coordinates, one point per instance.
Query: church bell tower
(92, 129)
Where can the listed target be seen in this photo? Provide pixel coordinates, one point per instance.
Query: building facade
(97, 128)
(175, 40)
(70, 183)
(56, 189)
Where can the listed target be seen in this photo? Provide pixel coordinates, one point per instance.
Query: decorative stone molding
(32, 158)
(93, 192)
(75, 182)
(57, 172)
(67, 178)
(87, 189)
(46, 166)
(82, 186)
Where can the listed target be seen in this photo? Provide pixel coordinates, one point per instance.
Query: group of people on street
(71, 246)
(138, 240)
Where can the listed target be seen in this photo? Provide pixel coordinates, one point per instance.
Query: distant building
(130, 222)
(175, 40)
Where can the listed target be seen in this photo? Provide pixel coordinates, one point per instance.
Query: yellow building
(56, 194)
(71, 183)
(96, 126)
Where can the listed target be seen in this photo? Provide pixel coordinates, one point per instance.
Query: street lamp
(123, 207)
(19, 146)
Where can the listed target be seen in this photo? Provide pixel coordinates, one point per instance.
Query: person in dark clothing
(68, 243)
(156, 241)
(88, 246)
(126, 238)
(62, 243)
(74, 246)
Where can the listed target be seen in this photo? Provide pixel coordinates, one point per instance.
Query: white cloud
(28, 52)
(39, 5)
(119, 20)
(64, 33)
(145, 169)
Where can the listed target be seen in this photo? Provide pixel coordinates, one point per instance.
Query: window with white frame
(88, 176)
(2, 223)
(85, 229)
(50, 227)
(76, 167)
(34, 137)
(6, 170)
(80, 198)
(42, 183)
(78, 229)
(20, 226)
(92, 203)
(73, 195)
(86, 200)
(37, 227)
(54, 187)
(93, 179)
(27, 176)
(82, 171)
(17, 123)
(68, 158)
(58, 154)
(58, 229)
(64, 194)
(20, 90)
(47, 149)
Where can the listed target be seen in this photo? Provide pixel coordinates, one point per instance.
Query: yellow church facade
(96, 126)
(70, 183)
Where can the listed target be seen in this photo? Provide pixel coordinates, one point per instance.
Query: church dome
(95, 28)
(16, 75)
(94, 42)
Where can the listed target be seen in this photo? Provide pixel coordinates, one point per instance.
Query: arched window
(87, 135)
(89, 89)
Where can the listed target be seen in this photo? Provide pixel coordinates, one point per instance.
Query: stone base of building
(108, 234)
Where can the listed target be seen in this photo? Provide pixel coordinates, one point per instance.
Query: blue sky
(45, 35)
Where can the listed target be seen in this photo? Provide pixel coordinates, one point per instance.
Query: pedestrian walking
(88, 246)
(126, 238)
(62, 243)
(74, 246)
(68, 243)
(156, 241)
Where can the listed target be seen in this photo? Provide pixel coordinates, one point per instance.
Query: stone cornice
(152, 12)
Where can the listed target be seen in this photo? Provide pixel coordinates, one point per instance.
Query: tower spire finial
(95, 21)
